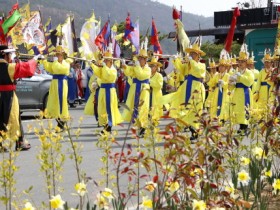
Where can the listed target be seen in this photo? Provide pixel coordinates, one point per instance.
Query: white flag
(33, 33)
(89, 31)
(67, 37)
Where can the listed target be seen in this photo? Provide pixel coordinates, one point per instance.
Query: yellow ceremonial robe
(209, 98)
(217, 110)
(238, 112)
(266, 91)
(188, 111)
(54, 109)
(140, 79)
(89, 107)
(156, 83)
(107, 78)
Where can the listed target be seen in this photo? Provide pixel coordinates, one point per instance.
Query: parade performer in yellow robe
(138, 99)
(108, 111)
(9, 107)
(234, 66)
(187, 102)
(242, 97)
(174, 81)
(251, 66)
(156, 83)
(264, 90)
(94, 87)
(219, 107)
(57, 106)
(212, 72)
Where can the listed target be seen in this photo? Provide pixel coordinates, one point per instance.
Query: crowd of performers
(231, 90)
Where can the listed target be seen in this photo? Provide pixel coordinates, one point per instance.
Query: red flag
(102, 39)
(129, 27)
(2, 35)
(176, 14)
(154, 38)
(14, 7)
(230, 34)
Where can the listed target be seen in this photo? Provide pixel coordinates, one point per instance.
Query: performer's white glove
(137, 63)
(123, 62)
(94, 85)
(232, 80)
(42, 57)
(221, 82)
(238, 74)
(36, 57)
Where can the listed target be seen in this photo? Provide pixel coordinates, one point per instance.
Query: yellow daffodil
(174, 186)
(101, 202)
(244, 161)
(107, 193)
(243, 177)
(171, 186)
(150, 186)
(199, 205)
(147, 203)
(57, 202)
(276, 185)
(258, 153)
(230, 188)
(28, 206)
(268, 173)
(81, 188)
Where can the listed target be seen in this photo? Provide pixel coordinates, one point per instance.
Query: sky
(208, 7)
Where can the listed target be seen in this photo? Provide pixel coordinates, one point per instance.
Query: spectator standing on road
(87, 73)
(72, 86)
(57, 106)
(10, 121)
(79, 77)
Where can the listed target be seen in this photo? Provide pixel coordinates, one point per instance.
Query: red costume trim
(7, 87)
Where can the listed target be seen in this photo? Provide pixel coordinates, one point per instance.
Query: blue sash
(190, 79)
(220, 100)
(151, 97)
(60, 78)
(137, 96)
(107, 87)
(246, 93)
(266, 84)
(96, 103)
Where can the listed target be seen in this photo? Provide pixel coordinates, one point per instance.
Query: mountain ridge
(117, 9)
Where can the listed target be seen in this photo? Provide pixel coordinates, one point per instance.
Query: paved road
(29, 175)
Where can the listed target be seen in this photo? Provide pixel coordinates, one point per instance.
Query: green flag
(10, 21)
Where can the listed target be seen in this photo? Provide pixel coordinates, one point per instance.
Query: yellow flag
(16, 32)
(25, 11)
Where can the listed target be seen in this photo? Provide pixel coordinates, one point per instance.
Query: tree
(213, 50)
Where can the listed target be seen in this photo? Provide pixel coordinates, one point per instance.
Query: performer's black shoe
(194, 137)
(3, 149)
(20, 146)
(72, 105)
(141, 132)
(243, 132)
